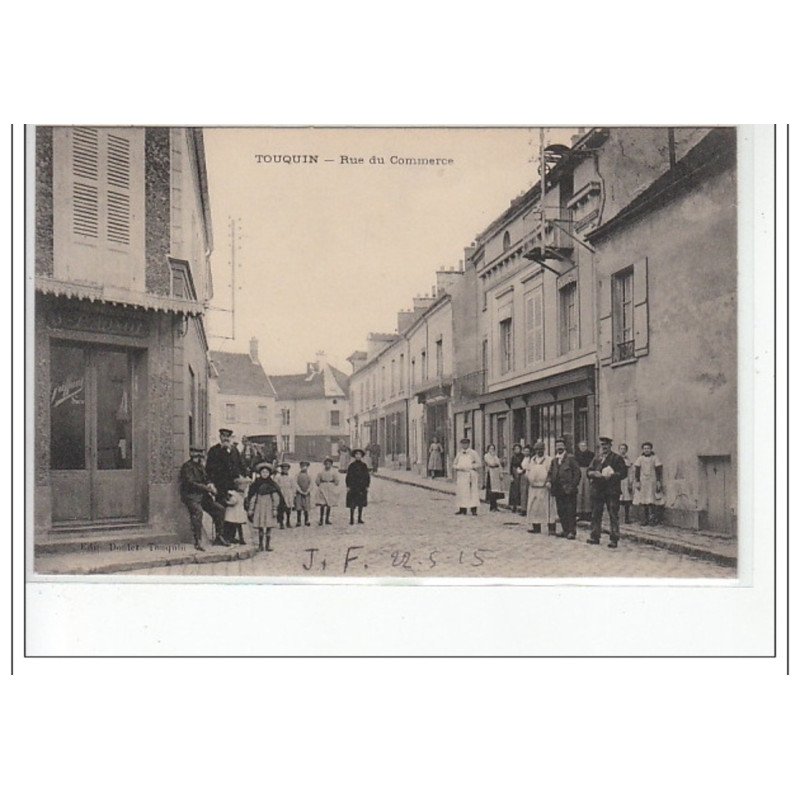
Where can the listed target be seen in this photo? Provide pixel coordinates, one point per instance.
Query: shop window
(67, 408)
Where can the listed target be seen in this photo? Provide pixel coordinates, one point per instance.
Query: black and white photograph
(406, 354)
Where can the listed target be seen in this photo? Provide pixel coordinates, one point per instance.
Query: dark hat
(605, 440)
(327, 460)
(305, 463)
(647, 443)
(561, 439)
(357, 450)
(264, 465)
(285, 464)
(465, 439)
(225, 432)
(197, 451)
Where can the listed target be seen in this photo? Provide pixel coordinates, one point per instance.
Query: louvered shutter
(86, 182)
(538, 325)
(641, 333)
(118, 208)
(605, 343)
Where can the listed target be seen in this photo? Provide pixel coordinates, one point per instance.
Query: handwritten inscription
(353, 561)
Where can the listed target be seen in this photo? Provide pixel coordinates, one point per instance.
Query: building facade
(312, 411)
(243, 398)
(122, 278)
(666, 296)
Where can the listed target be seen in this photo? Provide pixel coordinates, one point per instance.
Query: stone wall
(44, 200)
(157, 209)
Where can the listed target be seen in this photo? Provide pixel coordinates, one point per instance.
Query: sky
(330, 251)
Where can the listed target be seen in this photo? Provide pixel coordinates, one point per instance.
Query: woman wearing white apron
(541, 508)
(466, 465)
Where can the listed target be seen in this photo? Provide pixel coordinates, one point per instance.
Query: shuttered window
(534, 327)
(101, 186)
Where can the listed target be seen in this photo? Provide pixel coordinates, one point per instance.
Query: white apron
(466, 466)
(541, 507)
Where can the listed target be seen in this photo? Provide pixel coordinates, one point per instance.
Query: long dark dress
(584, 488)
(357, 482)
(514, 494)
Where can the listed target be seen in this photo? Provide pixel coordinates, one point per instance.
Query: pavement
(697, 544)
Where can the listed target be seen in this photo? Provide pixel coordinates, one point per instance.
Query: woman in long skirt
(584, 457)
(493, 481)
(514, 472)
(523, 480)
(327, 491)
(435, 464)
(541, 507)
(344, 456)
(626, 486)
(357, 482)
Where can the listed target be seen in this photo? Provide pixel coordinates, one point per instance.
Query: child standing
(626, 487)
(648, 477)
(287, 486)
(235, 514)
(302, 493)
(263, 500)
(327, 491)
(357, 481)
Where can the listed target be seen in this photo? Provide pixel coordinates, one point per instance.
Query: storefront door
(94, 460)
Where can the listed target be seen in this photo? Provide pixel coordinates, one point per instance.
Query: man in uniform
(197, 493)
(224, 464)
(606, 473)
(563, 480)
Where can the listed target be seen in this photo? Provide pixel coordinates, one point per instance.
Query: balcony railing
(624, 351)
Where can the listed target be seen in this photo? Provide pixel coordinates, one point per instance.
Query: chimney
(254, 350)
(423, 303)
(445, 278)
(404, 320)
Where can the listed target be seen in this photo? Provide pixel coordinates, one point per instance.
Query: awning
(562, 385)
(95, 293)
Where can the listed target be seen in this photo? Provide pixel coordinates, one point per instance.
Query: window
(286, 443)
(392, 379)
(230, 412)
(622, 315)
(485, 362)
(568, 313)
(263, 414)
(101, 172)
(67, 408)
(383, 382)
(534, 326)
(402, 381)
(413, 372)
(286, 416)
(439, 358)
(506, 345)
(423, 366)
(335, 416)
(506, 241)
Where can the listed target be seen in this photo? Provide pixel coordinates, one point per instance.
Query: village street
(410, 532)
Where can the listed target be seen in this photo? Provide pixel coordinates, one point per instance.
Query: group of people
(237, 494)
(564, 487)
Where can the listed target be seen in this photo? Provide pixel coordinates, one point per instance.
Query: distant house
(312, 410)
(242, 397)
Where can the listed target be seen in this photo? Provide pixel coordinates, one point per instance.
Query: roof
(327, 382)
(716, 151)
(238, 374)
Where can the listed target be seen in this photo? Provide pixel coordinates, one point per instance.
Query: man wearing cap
(224, 464)
(197, 494)
(606, 473)
(563, 479)
(466, 465)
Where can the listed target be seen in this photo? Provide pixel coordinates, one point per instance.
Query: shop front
(558, 405)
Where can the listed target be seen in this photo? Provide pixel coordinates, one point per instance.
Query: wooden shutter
(85, 182)
(605, 347)
(641, 333)
(118, 209)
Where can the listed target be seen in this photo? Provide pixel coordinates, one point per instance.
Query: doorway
(95, 459)
(719, 491)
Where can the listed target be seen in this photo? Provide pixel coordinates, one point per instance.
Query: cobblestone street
(411, 532)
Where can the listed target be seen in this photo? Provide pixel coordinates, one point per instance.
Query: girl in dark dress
(584, 457)
(514, 496)
(262, 504)
(357, 482)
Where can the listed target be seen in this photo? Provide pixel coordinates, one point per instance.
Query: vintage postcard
(385, 353)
